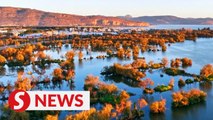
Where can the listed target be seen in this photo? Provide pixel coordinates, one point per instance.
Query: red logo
(19, 100)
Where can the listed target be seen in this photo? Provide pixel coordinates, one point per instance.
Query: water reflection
(157, 116)
(2, 71)
(190, 112)
(80, 64)
(120, 79)
(149, 98)
(206, 86)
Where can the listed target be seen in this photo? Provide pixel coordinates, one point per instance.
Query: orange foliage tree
(158, 106)
(70, 55)
(80, 55)
(207, 70)
(2, 60)
(58, 73)
(183, 98)
(23, 84)
(20, 57)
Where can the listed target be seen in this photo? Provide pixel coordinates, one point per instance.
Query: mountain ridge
(170, 19)
(12, 16)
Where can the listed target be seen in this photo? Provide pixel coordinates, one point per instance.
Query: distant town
(37, 32)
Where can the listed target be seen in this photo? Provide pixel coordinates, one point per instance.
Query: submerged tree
(80, 55)
(2, 60)
(165, 61)
(70, 55)
(207, 70)
(158, 106)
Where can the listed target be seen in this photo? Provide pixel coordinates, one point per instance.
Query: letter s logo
(19, 100)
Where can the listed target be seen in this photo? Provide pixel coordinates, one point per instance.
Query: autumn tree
(176, 62)
(120, 53)
(80, 55)
(135, 52)
(41, 55)
(142, 103)
(70, 55)
(146, 83)
(111, 88)
(171, 82)
(57, 73)
(128, 53)
(124, 96)
(2, 60)
(69, 74)
(51, 117)
(23, 84)
(20, 57)
(139, 63)
(165, 61)
(186, 62)
(109, 52)
(91, 80)
(158, 106)
(207, 70)
(144, 44)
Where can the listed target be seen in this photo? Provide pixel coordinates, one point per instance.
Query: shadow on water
(120, 79)
(193, 112)
(206, 86)
(157, 116)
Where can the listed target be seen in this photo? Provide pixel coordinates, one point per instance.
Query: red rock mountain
(10, 16)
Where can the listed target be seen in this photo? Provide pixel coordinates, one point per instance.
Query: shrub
(148, 91)
(189, 81)
(182, 98)
(70, 55)
(2, 60)
(174, 71)
(57, 73)
(207, 70)
(186, 62)
(165, 61)
(181, 82)
(162, 88)
(51, 117)
(23, 84)
(158, 106)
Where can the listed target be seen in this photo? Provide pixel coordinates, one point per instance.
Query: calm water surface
(179, 27)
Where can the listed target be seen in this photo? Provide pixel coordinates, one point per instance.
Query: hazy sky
(182, 8)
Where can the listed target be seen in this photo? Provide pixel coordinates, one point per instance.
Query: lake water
(194, 27)
(200, 52)
(172, 27)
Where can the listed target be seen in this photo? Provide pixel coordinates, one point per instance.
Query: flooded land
(157, 72)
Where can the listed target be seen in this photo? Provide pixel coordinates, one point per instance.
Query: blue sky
(181, 8)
